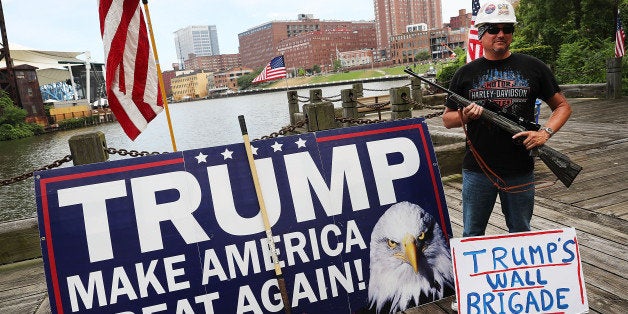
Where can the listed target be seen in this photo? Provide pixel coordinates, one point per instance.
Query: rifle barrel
(564, 169)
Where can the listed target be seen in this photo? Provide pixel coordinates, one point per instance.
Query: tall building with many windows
(258, 45)
(200, 40)
(392, 17)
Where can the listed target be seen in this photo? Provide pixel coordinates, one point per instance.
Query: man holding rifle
(502, 163)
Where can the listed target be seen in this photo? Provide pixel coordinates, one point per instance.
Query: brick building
(190, 86)
(438, 41)
(463, 20)
(217, 63)
(355, 58)
(28, 93)
(321, 47)
(229, 78)
(392, 16)
(259, 44)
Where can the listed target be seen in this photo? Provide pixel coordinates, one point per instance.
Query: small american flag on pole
(131, 79)
(474, 46)
(620, 38)
(275, 69)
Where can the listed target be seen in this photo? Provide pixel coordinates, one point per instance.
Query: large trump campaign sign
(358, 218)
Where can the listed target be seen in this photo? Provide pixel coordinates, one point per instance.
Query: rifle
(564, 169)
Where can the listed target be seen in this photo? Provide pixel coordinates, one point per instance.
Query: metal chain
(358, 121)
(284, 130)
(55, 164)
(132, 153)
(332, 99)
(303, 98)
(382, 90)
(373, 106)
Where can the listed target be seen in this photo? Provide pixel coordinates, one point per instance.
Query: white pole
(87, 74)
(72, 81)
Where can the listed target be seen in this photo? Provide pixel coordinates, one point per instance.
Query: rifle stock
(564, 169)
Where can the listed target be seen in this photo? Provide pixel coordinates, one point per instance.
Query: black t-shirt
(514, 84)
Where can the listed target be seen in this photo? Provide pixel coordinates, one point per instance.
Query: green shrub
(9, 132)
(72, 123)
(544, 53)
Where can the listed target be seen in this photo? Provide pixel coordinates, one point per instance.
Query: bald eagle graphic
(410, 262)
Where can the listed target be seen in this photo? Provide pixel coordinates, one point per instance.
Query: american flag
(474, 47)
(131, 79)
(275, 69)
(620, 37)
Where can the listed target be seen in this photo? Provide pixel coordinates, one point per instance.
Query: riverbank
(300, 83)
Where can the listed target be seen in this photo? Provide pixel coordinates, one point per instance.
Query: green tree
(583, 61)
(445, 75)
(10, 114)
(556, 22)
(337, 65)
(581, 34)
(12, 123)
(245, 81)
(316, 68)
(423, 55)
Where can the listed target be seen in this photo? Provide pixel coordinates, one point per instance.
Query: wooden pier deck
(596, 137)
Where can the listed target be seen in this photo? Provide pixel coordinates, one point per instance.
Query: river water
(196, 124)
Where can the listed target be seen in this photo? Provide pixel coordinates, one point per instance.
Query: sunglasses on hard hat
(494, 30)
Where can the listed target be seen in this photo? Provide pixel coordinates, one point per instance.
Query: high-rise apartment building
(392, 17)
(200, 40)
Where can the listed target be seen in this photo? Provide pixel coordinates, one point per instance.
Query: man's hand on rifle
(532, 139)
(472, 112)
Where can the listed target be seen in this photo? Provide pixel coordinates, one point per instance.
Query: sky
(73, 25)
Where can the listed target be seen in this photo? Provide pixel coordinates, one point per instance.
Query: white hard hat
(496, 12)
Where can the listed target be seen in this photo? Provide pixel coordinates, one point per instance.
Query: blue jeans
(478, 198)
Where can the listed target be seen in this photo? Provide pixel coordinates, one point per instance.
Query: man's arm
(561, 110)
(451, 118)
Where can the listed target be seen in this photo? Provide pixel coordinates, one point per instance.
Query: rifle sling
(497, 181)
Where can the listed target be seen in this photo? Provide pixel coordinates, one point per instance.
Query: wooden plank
(604, 302)
(604, 226)
(22, 287)
(619, 210)
(607, 200)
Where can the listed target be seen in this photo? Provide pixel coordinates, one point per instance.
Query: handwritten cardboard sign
(358, 218)
(528, 272)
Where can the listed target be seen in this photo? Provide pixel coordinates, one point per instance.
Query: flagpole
(281, 282)
(161, 79)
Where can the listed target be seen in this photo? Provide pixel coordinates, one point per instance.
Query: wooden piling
(358, 90)
(349, 105)
(401, 108)
(320, 116)
(613, 78)
(88, 148)
(293, 105)
(417, 93)
(316, 95)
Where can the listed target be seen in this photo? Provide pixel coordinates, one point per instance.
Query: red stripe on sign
(510, 235)
(366, 133)
(46, 214)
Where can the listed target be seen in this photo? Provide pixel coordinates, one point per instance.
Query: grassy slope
(345, 76)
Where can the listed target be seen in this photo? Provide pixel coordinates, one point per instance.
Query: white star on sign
(227, 154)
(253, 150)
(276, 147)
(300, 143)
(201, 158)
